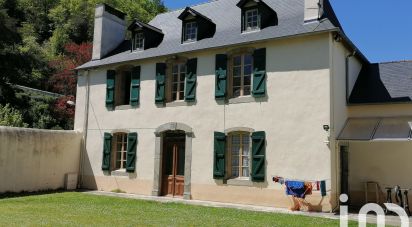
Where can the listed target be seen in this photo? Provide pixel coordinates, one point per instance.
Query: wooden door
(173, 168)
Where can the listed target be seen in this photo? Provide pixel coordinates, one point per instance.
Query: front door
(173, 166)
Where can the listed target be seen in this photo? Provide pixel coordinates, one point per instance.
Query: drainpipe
(85, 129)
(347, 74)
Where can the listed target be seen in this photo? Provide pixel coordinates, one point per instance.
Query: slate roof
(389, 82)
(226, 15)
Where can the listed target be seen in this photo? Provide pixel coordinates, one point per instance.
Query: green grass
(78, 209)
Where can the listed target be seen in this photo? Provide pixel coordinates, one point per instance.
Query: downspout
(347, 74)
(85, 129)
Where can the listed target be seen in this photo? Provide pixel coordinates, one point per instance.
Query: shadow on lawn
(8, 195)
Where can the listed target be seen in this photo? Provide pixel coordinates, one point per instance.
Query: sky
(380, 29)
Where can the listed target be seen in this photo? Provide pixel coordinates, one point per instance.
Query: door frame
(158, 158)
(174, 155)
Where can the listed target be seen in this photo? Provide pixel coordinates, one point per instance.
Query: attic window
(138, 41)
(256, 15)
(196, 26)
(252, 20)
(190, 32)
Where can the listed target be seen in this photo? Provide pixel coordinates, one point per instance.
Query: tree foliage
(11, 117)
(42, 42)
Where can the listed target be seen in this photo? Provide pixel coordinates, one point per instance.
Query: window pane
(235, 172)
(236, 91)
(118, 165)
(248, 59)
(247, 70)
(182, 86)
(245, 162)
(237, 60)
(247, 80)
(245, 172)
(174, 88)
(174, 96)
(236, 81)
(237, 71)
(181, 95)
(182, 77)
(175, 77)
(124, 164)
(182, 68)
(246, 90)
(124, 155)
(175, 68)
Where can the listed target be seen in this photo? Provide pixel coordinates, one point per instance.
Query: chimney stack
(109, 30)
(313, 10)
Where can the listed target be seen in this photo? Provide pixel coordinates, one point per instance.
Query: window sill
(240, 182)
(243, 99)
(177, 103)
(123, 107)
(119, 173)
(251, 31)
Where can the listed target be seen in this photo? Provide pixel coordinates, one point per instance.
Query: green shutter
(110, 85)
(221, 76)
(135, 87)
(107, 151)
(258, 156)
(191, 77)
(259, 73)
(131, 152)
(160, 82)
(219, 155)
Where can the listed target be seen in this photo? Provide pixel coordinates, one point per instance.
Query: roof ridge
(390, 62)
(190, 6)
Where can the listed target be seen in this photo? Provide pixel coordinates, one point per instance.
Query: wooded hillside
(41, 42)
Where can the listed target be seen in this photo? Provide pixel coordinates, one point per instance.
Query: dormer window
(144, 36)
(138, 41)
(195, 26)
(190, 31)
(256, 15)
(252, 20)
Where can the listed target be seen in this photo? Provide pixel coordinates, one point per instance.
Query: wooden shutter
(219, 155)
(110, 87)
(259, 73)
(258, 156)
(221, 76)
(107, 151)
(135, 87)
(160, 82)
(191, 77)
(131, 152)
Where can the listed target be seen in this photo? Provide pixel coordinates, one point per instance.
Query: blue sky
(381, 29)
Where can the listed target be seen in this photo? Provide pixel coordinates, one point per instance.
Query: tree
(11, 117)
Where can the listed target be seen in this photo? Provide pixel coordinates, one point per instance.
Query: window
(242, 66)
(119, 151)
(138, 41)
(252, 20)
(239, 154)
(122, 93)
(190, 33)
(178, 82)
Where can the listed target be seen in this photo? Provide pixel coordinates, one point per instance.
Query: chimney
(313, 10)
(109, 30)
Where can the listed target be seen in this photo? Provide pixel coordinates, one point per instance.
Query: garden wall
(35, 160)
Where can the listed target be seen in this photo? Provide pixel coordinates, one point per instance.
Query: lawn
(78, 209)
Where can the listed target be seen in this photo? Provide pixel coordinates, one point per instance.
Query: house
(211, 101)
